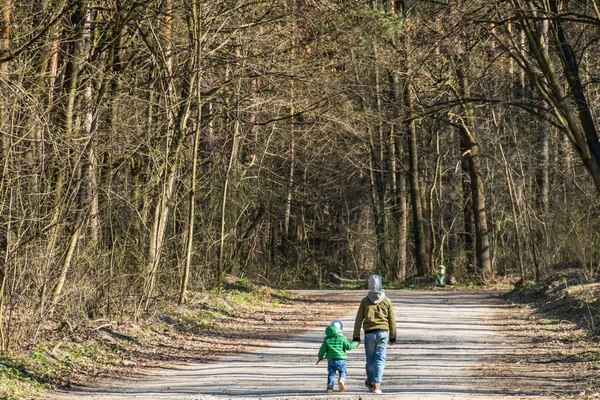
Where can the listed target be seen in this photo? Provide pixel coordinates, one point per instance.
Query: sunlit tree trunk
(71, 82)
(292, 152)
(513, 203)
(543, 176)
(378, 145)
(194, 35)
(415, 186)
(178, 113)
(431, 195)
(170, 161)
(470, 152)
(4, 52)
(5, 223)
(89, 197)
(467, 203)
(399, 184)
(233, 154)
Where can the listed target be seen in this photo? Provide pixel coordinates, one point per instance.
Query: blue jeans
(376, 352)
(334, 366)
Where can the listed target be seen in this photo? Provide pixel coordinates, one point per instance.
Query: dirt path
(445, 343)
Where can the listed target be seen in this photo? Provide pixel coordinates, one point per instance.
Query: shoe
(369, 385)
(342, 385)
(377, 388)
(329, 390)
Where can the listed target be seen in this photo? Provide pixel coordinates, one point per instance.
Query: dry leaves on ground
(547, 357)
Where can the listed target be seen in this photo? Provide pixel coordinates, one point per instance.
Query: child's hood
(332, 331)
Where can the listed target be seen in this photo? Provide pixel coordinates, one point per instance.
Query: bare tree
(574, 116)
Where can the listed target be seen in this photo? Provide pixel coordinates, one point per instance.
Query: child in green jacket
(334, 348)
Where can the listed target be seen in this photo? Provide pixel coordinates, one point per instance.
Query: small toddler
(334, 348)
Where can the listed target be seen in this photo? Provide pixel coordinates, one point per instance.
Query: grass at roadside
(18, 379)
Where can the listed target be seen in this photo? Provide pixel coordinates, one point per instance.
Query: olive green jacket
(373, 317)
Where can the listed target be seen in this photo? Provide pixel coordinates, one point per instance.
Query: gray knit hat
(376, 294)
(375, 283)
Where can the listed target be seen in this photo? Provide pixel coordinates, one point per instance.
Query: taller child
(376, 316)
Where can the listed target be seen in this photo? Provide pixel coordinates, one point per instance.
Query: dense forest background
(151, 148)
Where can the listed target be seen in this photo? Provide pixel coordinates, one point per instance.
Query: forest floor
(76, 354)
(451, 344)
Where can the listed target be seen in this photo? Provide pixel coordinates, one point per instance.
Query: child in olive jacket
(376, 316)
(334, 348)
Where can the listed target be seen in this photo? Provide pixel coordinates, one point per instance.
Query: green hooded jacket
(335, 344)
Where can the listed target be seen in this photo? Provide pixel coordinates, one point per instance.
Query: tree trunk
(112, 83)
(4, 157)
(68, 257)
(568, 170)
(5, 33)
(194, 34)
(470, 151)
(436, 176)
(72, 71)
(41, 84)
(5, 240)
(4, 52)
(482, 244)
(467, 201)
(91, 115)
(230, 165)
(403, 225)
(290, 182)
(173, 144)
(543, 177)
(236, 143)
(513, 203)
(285, 242)
(378, 144)
(399, 184)
(415, 186)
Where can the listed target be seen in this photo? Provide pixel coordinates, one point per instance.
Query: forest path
(445, 342)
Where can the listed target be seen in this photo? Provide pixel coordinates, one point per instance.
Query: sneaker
(369, 385)
(342, 385)
(329, 390)
(377, 388)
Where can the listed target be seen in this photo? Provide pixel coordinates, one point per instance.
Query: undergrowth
(73, 353)
(569, 296)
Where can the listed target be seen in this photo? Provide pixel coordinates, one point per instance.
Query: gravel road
(444, 338)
